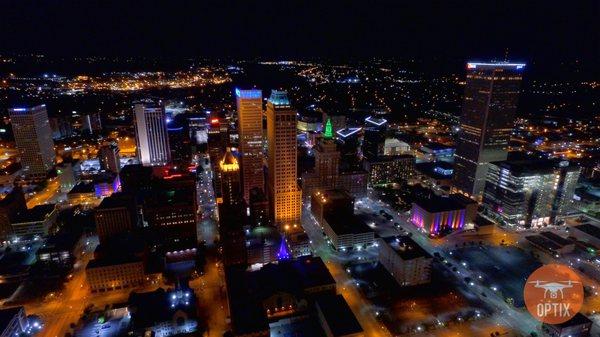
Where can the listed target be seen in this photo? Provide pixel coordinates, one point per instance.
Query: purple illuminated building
(438, 215)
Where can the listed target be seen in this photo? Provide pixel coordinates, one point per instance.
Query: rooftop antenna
(506, 55)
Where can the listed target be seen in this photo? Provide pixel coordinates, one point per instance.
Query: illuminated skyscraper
(249, 109)
(285, 196)
(488, 114)
(327, 162)
(33, 137)
(151, 135)
(230, 179)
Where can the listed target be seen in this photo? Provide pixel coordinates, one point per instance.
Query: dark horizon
(545, 32)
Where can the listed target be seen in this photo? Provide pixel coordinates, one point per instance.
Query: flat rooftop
(347, 225)
(116, 200)
(533, 167)
(35, 214)
(111, 261)
(435, 203)
(337, 314)
(406, 247)
(589, 229)
(559, 240)
(543, 242)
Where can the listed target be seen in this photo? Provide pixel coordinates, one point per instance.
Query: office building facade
(488, 113)
(284, 194)
(33, 138)
(250, 127)
(151, 134)
(109, 158)
(530, 193)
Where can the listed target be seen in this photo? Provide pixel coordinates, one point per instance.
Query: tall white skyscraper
(33, 137)
(151, 134)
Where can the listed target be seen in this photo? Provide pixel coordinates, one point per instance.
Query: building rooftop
(337, 314)
(347, 225)
(559, 240)
(388, 159)
(495, 65)
(333, 194)
(279, 98)
(532, 167)
(578, 319)
(37, 213)
(112, 260)
(119, 199)
(6, 315)
(543, 242)
(406, 247)
(435, 203)
(247, 289)
(248, 94)
(83, 187)
(590, 230)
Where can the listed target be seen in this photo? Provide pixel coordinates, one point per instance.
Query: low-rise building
(35, 221)
(331, 202)
(276, 292)
(11, 204)
(587, 233)
(336, 317)
(578, 326)
(59, 251)
(107, 274)
(440, 215)
(347, 232)
(433, 152)
(405, 260)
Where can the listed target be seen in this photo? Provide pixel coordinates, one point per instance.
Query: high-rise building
(327, 158)
(216, 142)
(327, 164)
(230, 179)
(530, 193)
(33, 137)
(284, 194)
(115, 214)
(108, 155)
(488, 114)
(151, 134)
(250, 127)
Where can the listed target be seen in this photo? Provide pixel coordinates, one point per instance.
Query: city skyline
(327, 169)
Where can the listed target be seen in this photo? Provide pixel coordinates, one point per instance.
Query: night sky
(548, 31)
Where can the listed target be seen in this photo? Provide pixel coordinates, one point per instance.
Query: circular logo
(553, 293)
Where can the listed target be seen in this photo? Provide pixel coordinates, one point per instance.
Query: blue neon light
(377, 121)
(474, 65)
(348, 132)
(248, 94)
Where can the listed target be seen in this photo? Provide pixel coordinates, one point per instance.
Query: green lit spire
(328, 129)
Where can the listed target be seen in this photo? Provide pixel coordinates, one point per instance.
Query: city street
(506, 315)
(362, 309)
